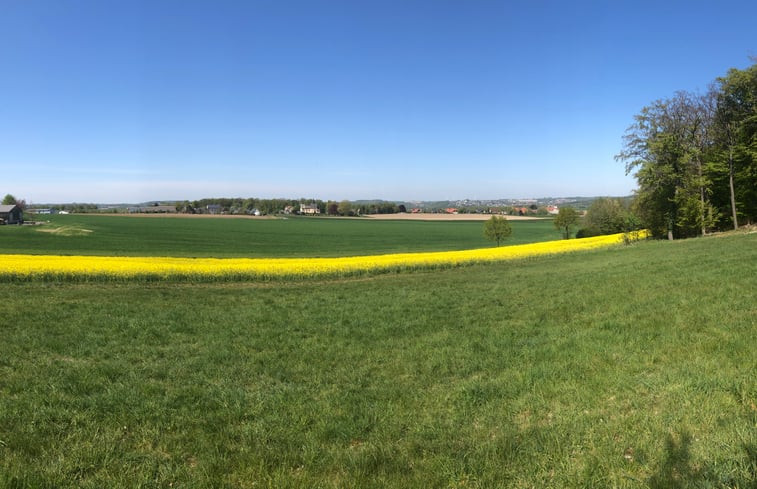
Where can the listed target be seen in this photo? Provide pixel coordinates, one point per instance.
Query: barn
(11, 214)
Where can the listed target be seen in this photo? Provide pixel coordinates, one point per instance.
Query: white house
(309, 209)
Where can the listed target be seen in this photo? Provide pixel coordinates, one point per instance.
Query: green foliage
(566, 219)
(88, 234)
(607, 216)
(475, 377)
(497, 228)
(588, 232)
(695, 158)
(736, 138)
(245, 206)
(666, 147)
(345, 208)
(377, 208)
(9, 200)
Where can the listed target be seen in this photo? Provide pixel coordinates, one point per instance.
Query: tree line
(275, 206)
(694, 157)
(239, 205)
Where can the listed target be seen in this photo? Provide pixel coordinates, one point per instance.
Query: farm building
(11, 214)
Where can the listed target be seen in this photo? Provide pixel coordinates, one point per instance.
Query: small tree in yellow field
(497, 229)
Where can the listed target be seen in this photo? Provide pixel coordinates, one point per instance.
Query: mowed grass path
(626, 367)
(229, 237)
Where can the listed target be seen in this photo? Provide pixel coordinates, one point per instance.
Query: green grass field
(628, 367)
(88, 234)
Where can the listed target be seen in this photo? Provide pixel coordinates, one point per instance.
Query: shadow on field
(678, 472)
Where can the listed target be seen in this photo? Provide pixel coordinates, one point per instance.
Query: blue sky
(115, 101)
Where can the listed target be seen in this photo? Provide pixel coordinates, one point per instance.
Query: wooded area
(695, 158)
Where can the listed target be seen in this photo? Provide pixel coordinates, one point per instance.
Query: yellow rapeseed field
(57, 267)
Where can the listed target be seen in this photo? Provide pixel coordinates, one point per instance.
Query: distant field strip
(57, 267)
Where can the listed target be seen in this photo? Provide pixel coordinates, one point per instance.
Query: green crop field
(219, 237)
(629, 367)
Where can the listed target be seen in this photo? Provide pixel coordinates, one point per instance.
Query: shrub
(588, 232)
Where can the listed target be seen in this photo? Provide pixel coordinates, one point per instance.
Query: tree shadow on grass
(678, 471)
(751, 451)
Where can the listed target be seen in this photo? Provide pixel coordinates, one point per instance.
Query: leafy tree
(332, 209)
(736, 139)
(387, 208)
(344, 208)
(667, 147)
(497, 228)
(567, 217)
(695, 158)
(11, 200)
(608, 216)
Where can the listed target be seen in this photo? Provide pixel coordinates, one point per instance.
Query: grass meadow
(87, 234)
(628, 367)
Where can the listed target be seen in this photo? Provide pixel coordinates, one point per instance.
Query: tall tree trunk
(733, 192)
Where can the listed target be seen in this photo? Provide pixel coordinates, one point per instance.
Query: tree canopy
(497, 229)
(694, 157)
(567, 218)
(608, 216)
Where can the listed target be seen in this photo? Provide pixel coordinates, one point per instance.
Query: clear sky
(130, 101)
